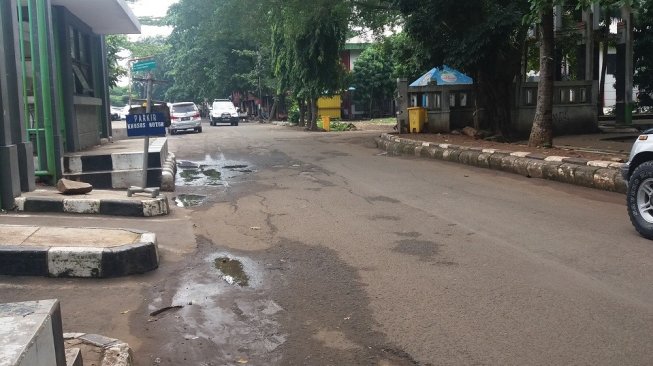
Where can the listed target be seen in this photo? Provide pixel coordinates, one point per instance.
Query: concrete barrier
(31, 334)
(604, 175)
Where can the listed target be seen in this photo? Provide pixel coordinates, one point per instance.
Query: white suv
(638, 172)
(223, 111)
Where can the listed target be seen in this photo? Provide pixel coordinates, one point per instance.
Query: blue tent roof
(443, 76)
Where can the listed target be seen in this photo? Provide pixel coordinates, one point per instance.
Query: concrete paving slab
(82, 237)
(16, 235)
(76, 252)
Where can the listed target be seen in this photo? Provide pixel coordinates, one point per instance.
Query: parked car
(184, 116)
(638, 172)
(115, 113)
(125, 110)
(223, 111)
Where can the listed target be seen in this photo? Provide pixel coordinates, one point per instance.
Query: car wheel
(199, 130)
(639, 199)
(236, 123)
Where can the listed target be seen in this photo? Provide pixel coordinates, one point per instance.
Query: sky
(151, 8)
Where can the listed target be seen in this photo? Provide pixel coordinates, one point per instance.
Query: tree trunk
(302, 112)
(313, 107)
(273, 111)
(542, 130)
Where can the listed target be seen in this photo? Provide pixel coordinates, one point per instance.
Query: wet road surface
(295, 248)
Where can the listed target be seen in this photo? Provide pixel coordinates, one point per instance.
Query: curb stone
(158, 206)
(598, 174)
(70, 261)
(112, 352)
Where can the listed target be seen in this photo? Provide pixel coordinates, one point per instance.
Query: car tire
(198, 130)
(639, 199)
(236, 123)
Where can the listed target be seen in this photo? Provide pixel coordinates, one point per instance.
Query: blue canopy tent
(443, 76)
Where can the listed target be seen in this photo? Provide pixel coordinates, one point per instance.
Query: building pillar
(624, 83)
(16, 156)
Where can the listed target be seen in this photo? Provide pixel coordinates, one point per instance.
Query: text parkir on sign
(146, 124)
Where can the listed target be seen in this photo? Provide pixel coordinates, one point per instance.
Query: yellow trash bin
(326, 123)
(416, 119)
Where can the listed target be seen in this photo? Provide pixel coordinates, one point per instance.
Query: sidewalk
(75, 252)
(592, 160)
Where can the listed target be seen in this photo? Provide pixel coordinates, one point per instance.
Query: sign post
(145, 125)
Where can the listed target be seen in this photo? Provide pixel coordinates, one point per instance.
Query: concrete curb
(604, 175)
(146, 207)
(168, 173)
(113, 352)
(71, 261)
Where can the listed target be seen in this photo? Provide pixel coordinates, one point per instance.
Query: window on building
(80, 54)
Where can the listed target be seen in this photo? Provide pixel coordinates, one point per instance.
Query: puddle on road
(210, 171)
(189, 200)
(232, 271)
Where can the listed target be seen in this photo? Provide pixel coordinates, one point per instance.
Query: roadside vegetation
(289, 50)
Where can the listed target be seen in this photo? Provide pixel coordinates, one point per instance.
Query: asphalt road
(351, 257)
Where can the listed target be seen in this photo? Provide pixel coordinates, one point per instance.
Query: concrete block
(469, 157)
(31, 334)
(584, 175)
(74, 357)
(82, 206)
(20, 203)
(23, 261)
(534, 168)
(167, 181)
(126, 178)
(520, 154)
(606, 178)
(75, 262)
(483, 160)
(130, 259)
(577, 161)
(73, 164)
(156, 207)
(43, 204)
(508, 163)
(451, 155)
(127, 161)
(550, 171)
(566, 173)
(121, 208)
(520, 166)
(599, 163)
(557, 159)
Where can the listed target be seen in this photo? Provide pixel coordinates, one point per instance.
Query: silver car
(184, 116)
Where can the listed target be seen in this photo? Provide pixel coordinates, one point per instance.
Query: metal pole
(146, 143)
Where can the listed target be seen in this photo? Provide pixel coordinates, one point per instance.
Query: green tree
(306, 40)
(372, 77)
(643, 51)
(483, 38)
(115, 44)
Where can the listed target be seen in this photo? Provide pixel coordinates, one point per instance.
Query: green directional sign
(144, 65)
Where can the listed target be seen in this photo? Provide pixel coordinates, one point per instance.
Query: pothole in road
(189, 200)
(210, 171)
(232, 271)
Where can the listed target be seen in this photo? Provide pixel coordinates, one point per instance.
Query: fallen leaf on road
(124, 312)
(242, 360)
(255, 227)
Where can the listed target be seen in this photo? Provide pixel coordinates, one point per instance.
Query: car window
(183, 108)
(223, 105)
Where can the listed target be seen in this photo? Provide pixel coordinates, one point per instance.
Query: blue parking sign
(146, 124)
